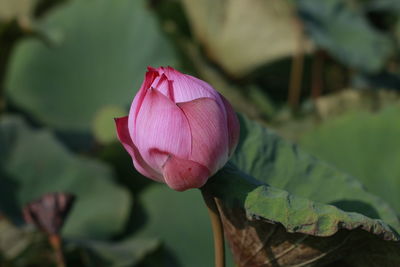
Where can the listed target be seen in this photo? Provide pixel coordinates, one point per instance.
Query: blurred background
(323, 74)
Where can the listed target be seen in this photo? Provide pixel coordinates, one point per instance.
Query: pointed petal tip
(125, 139)
(123, 133)
(156, 94)
(163, 78)
(150, 68)
(121, 123)
(149, 77)
(120, 119)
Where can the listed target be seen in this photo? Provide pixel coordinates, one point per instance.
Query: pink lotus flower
(179, 131)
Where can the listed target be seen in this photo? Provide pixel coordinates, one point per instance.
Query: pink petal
(150, 76)
(161, 129)
(150, 68)
(209, 132)
(182, 174)
(164, 86)
(233, 126)
(188, 88)
(138, 162)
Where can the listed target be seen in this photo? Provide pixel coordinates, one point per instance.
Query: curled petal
(161, 125)
(233, 126)
(209, 132)
(182, 174)
(138, 162)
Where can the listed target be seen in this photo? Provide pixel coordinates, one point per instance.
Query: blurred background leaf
(13, 241)
(104, 127)
(128, 252)
(35, 163)
(340, 27)
(185, 228)
(98, 55)
(365, 145)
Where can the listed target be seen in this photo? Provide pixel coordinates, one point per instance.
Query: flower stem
(218, 233)
(296, 73)
(317, 78)
(55, 242)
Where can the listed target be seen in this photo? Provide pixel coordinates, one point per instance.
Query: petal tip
(150, 69)
(119, 119)
(121, 123)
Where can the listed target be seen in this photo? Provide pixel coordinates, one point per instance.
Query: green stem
(296, 73)
(317, 78)
(218, 233)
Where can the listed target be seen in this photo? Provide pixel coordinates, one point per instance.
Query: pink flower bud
(179, 131)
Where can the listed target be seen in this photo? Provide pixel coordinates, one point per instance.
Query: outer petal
(233, 126)
(150, 76)
(161, 129)
(140, 164)
(182, 174)
(209, 132)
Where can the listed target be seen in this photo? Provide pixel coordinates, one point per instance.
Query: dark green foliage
(343, 29)
(350, 143)
(34, 163)
(96, 57)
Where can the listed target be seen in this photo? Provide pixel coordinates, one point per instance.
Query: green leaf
(33, 162)
(128, 252)
(231, 31)
(13, 241)
(181, 222)
(382, 5)
(350, 100)
(98, 56)
(272, 188)
(343, 30)
(266, 157)
(104, 125)
(364, 144)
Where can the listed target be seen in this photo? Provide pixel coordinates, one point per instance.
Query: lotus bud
(180, 130)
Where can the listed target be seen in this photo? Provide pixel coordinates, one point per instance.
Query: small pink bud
(180, 130)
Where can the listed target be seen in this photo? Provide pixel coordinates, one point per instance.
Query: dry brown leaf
(257, 242)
